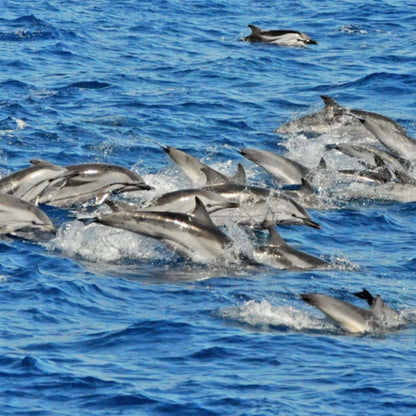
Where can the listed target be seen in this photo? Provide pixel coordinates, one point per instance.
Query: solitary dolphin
(91, 180)
(352, 318)
(259, 207)
(200, 173)
(333, 117)
(28, 183)
(286, 171)
(279, 37)
(192, 235)
(278, 254)
(22, 219)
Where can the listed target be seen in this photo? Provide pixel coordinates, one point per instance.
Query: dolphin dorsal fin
(306, 187)
(366, 295)
(214, 177)
(275, 238)
(329, 102)
(255, 30)
(322, 164)
(201, 213)
(240, 176)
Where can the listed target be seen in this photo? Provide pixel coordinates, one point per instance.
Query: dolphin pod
(193, 221)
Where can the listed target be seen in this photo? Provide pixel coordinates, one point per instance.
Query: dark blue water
(103, 322)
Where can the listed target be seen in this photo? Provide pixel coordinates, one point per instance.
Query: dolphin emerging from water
(259, 207)
(192, 235)
(22, 219)
(278, 254)
(28, 183)
(279, 37)
(200, 173)
(332, 118)
(91, 180)
(354, 319)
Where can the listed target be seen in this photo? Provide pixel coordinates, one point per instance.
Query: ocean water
(99, 321)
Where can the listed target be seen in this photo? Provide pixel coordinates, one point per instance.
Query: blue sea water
(103, 322)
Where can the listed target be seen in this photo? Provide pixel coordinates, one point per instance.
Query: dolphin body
(259, 207)
(332, 118)
(27, 184)
(88, 181)
(20, 218)
(352, 318)
(374, 158)
(280, 255)
(286, 171)
(182, 201)
(200, 173)
(279, 37)
(389, 133)
(192, 235)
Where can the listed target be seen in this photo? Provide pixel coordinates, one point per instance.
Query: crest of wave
(263, 314)
(102, 244)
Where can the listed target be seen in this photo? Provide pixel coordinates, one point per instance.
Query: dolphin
(28, 183)
(259, 207)
(389, 133)
(373, 157)
(22, 219)
(278, 254)
(286, 171)
(332, 118)
(182, 201)
(200, 173)
(352, 318)
(91, 180)
(279, 37)
(192, 235)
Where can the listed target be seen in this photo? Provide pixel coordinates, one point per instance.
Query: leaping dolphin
(278, 254)
(22, 219)
(192, 235)
(333, 117)
(200, 173)
(91, 180)
(279, 37)
(28, 183)
(352, 318)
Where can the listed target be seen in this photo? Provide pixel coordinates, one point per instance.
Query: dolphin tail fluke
(366, 295)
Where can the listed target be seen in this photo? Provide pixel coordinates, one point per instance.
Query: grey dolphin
(278, 254)
(200, 173)
(333, 117)
(279, 37)
(91, 180)
(260, 207)
(375, 158)
(352, 318)
(22, 219)
(28, 183)
(285, 170)
(192, 235)
(182, 201)
(389, 133)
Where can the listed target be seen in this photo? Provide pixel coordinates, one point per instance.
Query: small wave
(263, 315)
(26, 28)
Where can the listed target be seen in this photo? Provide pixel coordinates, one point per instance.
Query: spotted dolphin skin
(192, 235)
(21, 219)
(352, 318)
(91, 180)
(279, 37)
